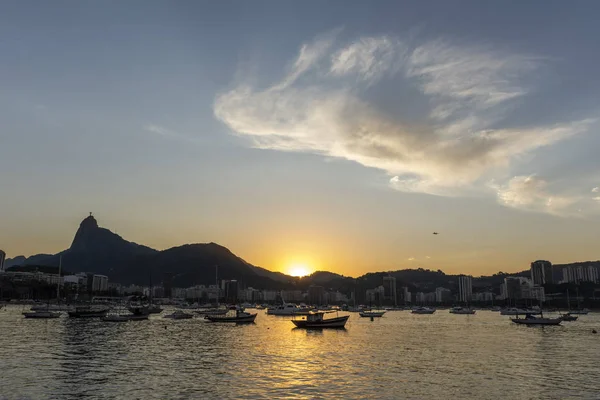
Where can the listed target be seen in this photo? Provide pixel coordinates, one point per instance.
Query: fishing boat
(89, 311)
(462, 310)
(533, 320)
(423, 310)
(583, 311)
(179, 315)
(371, 314)
(316, 320)
(236, 316)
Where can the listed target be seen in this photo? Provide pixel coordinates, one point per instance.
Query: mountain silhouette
(98, 250)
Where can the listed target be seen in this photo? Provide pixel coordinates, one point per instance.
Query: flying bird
(435, 233)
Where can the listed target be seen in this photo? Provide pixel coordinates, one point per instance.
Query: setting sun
(299, 270)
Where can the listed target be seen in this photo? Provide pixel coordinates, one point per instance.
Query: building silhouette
(541, 272)
(316, 295)
(2, 258)
(465, 288)
(389, 289)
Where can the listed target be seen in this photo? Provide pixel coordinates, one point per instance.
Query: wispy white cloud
(368, 58)
(531, 193)
(318, 107)
(596, 189)
(411, 259)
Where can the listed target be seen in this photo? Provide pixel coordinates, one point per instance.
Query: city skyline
(341, 143)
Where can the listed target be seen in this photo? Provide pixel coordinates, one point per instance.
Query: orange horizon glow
(299, 269)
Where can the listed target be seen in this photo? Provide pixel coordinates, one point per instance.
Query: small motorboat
(238, 316)
(179, 315)
(568, 317)
(316, 320)
(462, 310)
(532, 320)
(41, 314)
(423, 310)
(371, 314)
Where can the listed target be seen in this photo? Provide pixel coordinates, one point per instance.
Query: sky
(329, 135)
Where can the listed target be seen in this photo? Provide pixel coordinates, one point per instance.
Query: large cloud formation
(459, 145)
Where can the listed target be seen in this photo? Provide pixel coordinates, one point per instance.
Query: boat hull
(371, 314)
(537, 321)
(422, 311)
(41, 314)
(332, 323)
(239, 320)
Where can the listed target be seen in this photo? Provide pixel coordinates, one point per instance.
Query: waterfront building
(541, 272)
(580, 273)
(443, 295)
(99, 283)
(389, 289)
(465, 288)
(406, 295)
(316, 295)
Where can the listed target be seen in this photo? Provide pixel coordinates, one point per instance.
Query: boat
(496, 309)
(51, 307)
(423, 310)
(462, 310)
(41, 314)
(371, 314)
(568, 317)
(154, 309)
(520, 311)
(179, 315)
(88, 311)
(212, 311)
(533, 320)
(286, 309)
(236, 316)
(583, 311)
(316, 320)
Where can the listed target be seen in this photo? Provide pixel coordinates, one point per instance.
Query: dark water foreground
(401, 355)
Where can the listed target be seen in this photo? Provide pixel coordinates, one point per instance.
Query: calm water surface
(401, 355)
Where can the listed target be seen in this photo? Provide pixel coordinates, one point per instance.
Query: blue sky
(334, 134)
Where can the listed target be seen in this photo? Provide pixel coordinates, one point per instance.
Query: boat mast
(217, 282)
(58, 282)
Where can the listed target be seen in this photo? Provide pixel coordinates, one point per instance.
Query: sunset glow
(299, 270)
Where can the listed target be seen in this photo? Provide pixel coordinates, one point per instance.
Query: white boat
(462, 310)
(423, 310)
(287, 309)
(371, 314)
(42, 314)
(520, 311)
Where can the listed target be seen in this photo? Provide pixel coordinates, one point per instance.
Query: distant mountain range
(98, 250)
